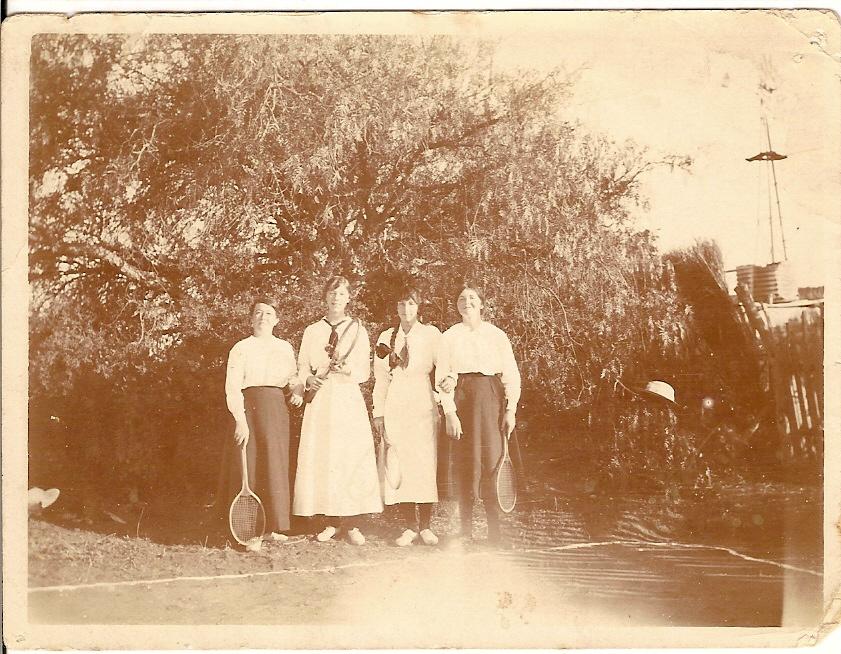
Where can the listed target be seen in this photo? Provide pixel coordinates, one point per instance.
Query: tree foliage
(172, 177)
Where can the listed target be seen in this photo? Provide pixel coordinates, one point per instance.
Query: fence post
(762, 338)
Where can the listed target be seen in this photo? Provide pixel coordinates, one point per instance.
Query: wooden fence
(789, 338)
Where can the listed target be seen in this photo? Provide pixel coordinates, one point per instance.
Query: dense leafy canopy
(172, 177)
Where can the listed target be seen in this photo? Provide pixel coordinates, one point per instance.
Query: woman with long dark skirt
(260, 367)
(480, 386)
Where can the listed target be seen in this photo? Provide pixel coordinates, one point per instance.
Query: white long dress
(337, 469)
(404, 398)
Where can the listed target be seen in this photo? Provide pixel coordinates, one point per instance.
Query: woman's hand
(448, 385)
(509, 422)
(297, 395)
(453, 426)
(314, 382)
(343, 369)
(241, 433)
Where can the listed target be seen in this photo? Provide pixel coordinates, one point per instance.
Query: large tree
(173, 176)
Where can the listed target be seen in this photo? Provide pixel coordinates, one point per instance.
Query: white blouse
(485, 350)
(257, 362)
(313, 358)
(422, 343)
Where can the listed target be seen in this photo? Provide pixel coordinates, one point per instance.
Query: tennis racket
(335, 359)
(506, 480)
(390, 464)
(246, 518)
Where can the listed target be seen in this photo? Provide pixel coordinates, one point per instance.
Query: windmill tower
(772, 282)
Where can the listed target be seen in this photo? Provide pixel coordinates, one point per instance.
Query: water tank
(769, 284)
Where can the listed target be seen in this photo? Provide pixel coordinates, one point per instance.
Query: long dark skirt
(267, 454)
(480, 405)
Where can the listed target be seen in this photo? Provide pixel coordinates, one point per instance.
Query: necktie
(404, 354)
(330, 348)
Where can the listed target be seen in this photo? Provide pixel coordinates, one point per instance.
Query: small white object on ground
(326, 535)
(40, 498)
(355, 536)
(406, 538)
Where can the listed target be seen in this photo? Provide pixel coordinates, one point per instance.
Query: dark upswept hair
(263, 299)
(408, 291)
(334, 282)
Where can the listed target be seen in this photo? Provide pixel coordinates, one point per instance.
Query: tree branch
(115, 260)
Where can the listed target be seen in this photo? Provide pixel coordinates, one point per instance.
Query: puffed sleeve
(510, 373)
(382, 378)
(304, 356)
(359, 359)
(234, 380)
(433, 335)
(443, 369)
(289, 367)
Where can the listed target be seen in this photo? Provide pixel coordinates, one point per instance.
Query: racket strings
(247, 518)
(506, 487)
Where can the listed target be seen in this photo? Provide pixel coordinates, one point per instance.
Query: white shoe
(254, 545)
(326, 535)
(355, 537)
(406, 538)
(278, 537)
(428, 537)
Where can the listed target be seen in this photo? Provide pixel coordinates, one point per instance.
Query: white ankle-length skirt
(337, 469)
(411, 422)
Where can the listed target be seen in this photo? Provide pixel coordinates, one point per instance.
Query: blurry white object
(41, 499)
(115, 517)
(660, 389)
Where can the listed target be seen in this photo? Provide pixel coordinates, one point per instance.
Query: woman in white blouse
(406, 415)
(480, 387)
(260, 367)
(337, 470)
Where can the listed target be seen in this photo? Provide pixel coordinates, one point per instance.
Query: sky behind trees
(687, 83)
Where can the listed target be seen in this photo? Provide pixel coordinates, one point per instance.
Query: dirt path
(421, 592)
(569, 566)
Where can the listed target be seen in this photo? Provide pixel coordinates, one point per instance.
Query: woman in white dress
(480, 386)
(337, 470)
(260, 367)
(406, 415)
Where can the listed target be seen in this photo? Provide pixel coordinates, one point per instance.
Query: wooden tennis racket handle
(244, 458)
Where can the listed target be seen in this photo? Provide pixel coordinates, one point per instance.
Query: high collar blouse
(422, 344)
(265, 361)
(313, 358)
(486, 350)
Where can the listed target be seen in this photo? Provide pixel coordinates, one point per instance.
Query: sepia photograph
(498, 329)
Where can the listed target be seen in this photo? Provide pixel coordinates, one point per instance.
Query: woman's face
(407, 310)
(469, 302)
(337, 299)
(263, 318)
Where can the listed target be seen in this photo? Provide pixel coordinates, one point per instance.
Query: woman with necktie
(406, 415)
(337, 471)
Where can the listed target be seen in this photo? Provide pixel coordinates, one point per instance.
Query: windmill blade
(767, 156)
